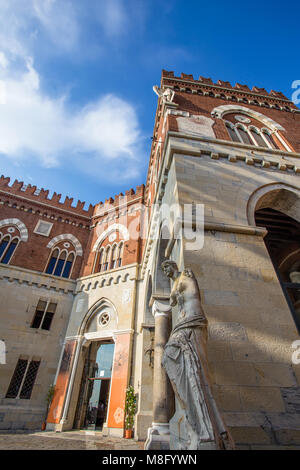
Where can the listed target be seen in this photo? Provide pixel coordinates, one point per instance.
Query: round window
(104, 319)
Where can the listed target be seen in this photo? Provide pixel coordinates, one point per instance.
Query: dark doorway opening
(283, 244)
(93, 400)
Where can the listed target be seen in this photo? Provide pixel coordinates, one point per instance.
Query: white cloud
(32, 123)
(59, 19)
(112, 16)
(99, 135)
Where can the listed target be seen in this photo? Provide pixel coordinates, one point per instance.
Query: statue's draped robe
(182, 362)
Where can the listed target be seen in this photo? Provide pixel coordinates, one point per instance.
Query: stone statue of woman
(197, 423)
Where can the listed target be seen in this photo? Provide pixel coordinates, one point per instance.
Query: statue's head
(169, 268)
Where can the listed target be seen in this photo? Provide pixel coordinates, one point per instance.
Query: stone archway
(276, 207)
(279, 196)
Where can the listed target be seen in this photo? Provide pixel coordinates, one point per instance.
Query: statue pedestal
(158, 437)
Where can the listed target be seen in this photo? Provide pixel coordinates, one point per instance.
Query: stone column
(159, 434)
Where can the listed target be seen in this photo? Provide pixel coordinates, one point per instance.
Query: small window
(44, 314)
(23, 379)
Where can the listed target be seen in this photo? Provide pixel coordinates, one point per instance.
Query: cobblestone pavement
(72, 440)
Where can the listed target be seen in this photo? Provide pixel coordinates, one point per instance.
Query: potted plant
(49, 398)
(130, 410)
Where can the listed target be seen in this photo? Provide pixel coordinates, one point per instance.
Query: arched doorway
(283, 244)
(95, 386)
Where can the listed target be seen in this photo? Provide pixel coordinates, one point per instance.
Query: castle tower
(235, 154)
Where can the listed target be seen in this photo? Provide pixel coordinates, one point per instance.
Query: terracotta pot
(128, 433)
(43, 426)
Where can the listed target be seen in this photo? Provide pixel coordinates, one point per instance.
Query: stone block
(291, 399)
(227, 398)
(216, 297)
(274, 375)
(230, 331)
(261, 399)
(218, 351)
(246, 351)
(245, 373)
(249, 435)
(288, 436)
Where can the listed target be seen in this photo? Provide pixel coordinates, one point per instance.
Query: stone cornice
(199, 84)
(36, 279)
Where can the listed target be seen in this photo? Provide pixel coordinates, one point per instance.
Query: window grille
(29, 380)
(18, 382)
(17, 378)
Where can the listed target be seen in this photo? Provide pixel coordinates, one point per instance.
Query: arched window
(268, 137)
(7, 247)
(258, 140)
(120, 254)
(106, 258)
(252, 136)
(244, 135)
(60, 263)
(52, 262)
(113, 263)
(100, 261)
(232, 132)
(68, 265)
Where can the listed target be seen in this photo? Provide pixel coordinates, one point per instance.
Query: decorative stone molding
(112, 228)
(67, 236)
(20, 226)
(220, 111)
(30, 278)
(107, 278)
(259, 193)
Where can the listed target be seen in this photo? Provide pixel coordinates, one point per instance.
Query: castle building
(85, 304)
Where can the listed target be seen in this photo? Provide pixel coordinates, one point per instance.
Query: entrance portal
(95, 386)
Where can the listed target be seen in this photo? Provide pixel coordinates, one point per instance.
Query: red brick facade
(197, 97)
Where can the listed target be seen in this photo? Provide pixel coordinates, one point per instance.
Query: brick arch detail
(112, 228)
(20, 226)
(67, 236)
(220, 111)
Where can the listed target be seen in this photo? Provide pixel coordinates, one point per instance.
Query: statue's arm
(173, 299)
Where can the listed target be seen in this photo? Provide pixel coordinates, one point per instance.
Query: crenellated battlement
(18, 188)
(129, 196)
(169, 75)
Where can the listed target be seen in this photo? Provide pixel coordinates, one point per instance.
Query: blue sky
(78, 77)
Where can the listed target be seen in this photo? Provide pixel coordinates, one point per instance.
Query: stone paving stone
(73, 440)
